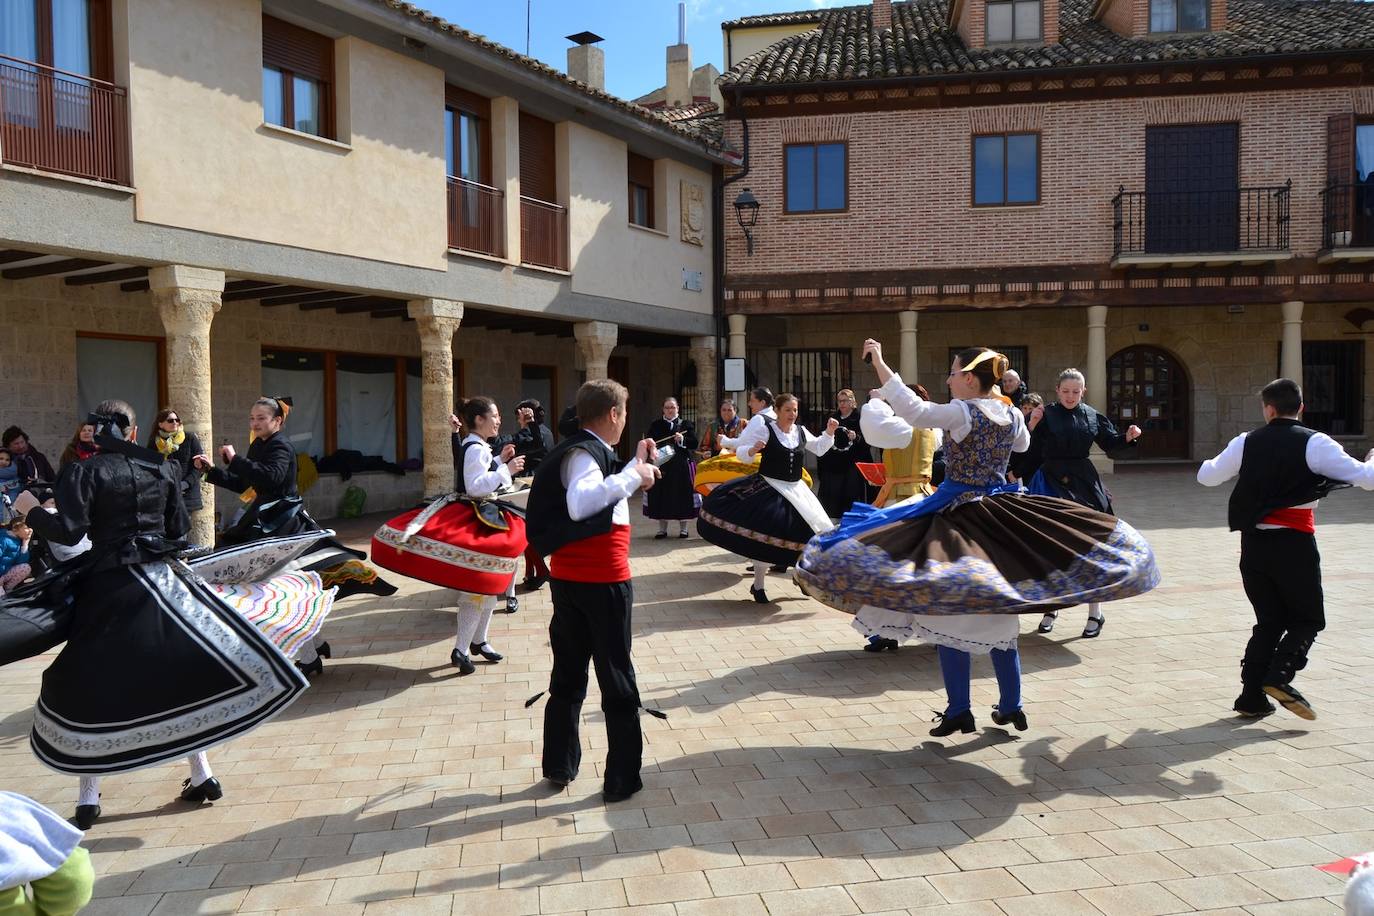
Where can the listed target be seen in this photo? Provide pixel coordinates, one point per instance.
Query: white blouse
(755, 423)
(884, 429)
(478, 479)
(755, 438)
(954, 417)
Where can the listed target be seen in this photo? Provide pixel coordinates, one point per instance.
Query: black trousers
(1281, 570)
(591, 622)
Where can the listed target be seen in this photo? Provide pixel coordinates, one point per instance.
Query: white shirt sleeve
(1216, 471)
(588, 491)
(753, 438)
(882, 428)
(733, 442)
(1326, 457)
(477, 479)
(1021, 442)
(926, 414)
(819, 445)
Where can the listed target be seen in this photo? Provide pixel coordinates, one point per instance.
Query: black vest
(780, 462)
(1274, 474)
(460, 483)
(547, 523)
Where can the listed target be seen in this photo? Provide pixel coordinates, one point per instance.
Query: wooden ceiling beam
(302, 298)
(135, 286)
(49, 268)
(264, 292)
(108, 276)
(10, 255)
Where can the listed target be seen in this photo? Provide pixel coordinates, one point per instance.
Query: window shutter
(1340, 149)
(290, 47)
(641, 170)
(537, 159)
(470, 102)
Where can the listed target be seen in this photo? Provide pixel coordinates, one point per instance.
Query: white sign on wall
(734, 374)
(691, 279)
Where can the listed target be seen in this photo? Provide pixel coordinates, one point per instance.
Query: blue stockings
(956, 665)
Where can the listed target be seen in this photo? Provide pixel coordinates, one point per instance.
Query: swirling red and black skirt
(459, 544)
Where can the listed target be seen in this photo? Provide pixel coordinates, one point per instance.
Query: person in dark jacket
(269, 469)
(33, 466)
(175, 443)
(841, 484)
(1283, 469)
(673, 498)
(533, 439)
(1058, 463)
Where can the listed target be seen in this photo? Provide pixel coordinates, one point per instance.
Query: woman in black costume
(1058, 463)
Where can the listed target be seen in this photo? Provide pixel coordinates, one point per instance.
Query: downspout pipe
(718, 237)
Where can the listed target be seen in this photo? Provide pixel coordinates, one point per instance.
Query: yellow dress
(724, 467)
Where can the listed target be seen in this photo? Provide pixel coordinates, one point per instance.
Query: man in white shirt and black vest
(578, 516)
(1283, 470)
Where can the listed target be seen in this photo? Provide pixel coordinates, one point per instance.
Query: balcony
(543, 234)
(62, 122)
(475, 217)
(1347, 223)
(1187, 228)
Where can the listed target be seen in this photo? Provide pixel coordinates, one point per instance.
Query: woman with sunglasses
(175, 443)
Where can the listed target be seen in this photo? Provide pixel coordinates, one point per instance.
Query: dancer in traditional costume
(266, 480)
(579, 517)
(1283, 469)
(672, 498)
(841, 484)
(726, 465)
(1057, 463)
(769, 517)
(957, 567)
(162, 660)
(466, 541)
(908, 463)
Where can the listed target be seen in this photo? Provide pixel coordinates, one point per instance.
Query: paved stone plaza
(794, 775)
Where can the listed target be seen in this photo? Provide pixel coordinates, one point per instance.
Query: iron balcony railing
(543, 234)
(1347, 216)
(476, 216)
(1201, 222)
(63, 122)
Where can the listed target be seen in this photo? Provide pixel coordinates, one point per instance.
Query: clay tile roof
(843, 45)
(691, 130)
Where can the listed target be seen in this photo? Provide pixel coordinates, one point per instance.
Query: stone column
(437, 320)
(736, 343)
(595, 341)
(187, 299)
(907, 357)
(703, 353)
(1096, 372)
(1290, 354)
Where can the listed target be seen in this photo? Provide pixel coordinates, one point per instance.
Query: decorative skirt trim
(978, 636)
(447, 553)
(743, 532)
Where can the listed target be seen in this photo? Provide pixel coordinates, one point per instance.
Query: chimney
(587, 62)
(679, 88)
(882, 15)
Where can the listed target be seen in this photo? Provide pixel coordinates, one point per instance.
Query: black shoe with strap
(512, 604)
(486, 651)
(1253, 704)
(210, 790)
(1017, 718)
(881, 644)
(1293, 701)
(759, 595)
(963, 722)
(462, 663)
(312, 668)
(86, 816)
(324, 651)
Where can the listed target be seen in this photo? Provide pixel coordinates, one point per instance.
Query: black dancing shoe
(950, 724)
(86, 816)
(683, 535)
(1253, 705)
(1093, 628)
(759, 595)
(881, 644)
(462, 663)
(778, 568)
(660, 536)
(310, 668)
(210, 790)
(512, 605)
(1047, 623)
(323, 650)
(486, 651)
(1017, 718)
(535, 583)
(1291, 700)
(611, 796)
(558, 782)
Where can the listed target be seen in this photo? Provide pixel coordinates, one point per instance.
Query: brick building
(1172, 195)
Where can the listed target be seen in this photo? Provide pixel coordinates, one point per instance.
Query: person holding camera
(673, 498)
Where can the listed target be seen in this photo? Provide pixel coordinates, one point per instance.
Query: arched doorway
(1149, 387)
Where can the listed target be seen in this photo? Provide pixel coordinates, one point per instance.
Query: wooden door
(1192, 188)
(1147, 387)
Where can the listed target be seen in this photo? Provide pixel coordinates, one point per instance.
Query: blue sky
(637, 32)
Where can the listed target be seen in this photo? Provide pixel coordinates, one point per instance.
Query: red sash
(604, 558)
(1304, 520)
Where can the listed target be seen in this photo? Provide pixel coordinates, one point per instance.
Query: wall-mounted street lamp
(747, 212)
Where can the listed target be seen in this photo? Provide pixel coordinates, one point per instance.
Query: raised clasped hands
(507, 453)
(831, 425)
(226, 453)
(646, 453)
(201, 463)
(1132, 433)
(454, 423)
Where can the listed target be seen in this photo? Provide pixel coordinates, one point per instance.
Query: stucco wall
(203, 160)
(609, 256)
(740, 43)
(1227, 357)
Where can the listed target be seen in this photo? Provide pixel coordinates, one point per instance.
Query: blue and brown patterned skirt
(977, 550)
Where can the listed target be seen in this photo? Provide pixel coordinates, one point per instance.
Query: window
(467, 142)
(1179, 15)
(815, 377)
(816, 177)
(297, 78)
(1019, 357)
(1013, 20)
(1333, 386)
(1006, 169)
(71, 35)
(641, 170)
(131, 368)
